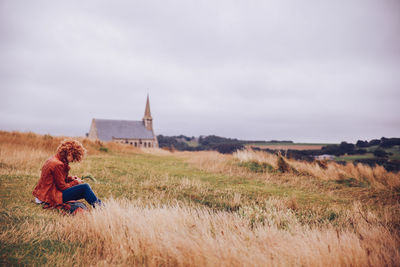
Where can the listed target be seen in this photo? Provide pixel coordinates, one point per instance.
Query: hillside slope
(199, 208)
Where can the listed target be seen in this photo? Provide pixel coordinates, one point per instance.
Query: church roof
(109, 129)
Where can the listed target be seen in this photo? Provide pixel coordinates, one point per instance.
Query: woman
(55, 187)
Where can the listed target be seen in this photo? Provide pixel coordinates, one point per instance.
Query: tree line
(211, 142)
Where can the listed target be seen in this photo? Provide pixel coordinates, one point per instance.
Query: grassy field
(394, 154)
(199, 208)
(286, 146)
(395, 151)
(293, 144)
(355, 157)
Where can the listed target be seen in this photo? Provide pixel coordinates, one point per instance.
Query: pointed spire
(147, 113)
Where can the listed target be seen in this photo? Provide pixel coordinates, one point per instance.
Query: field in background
(199, 208)
(391, 160)
(286, 146)
(394, 154)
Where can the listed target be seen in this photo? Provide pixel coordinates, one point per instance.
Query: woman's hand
(76, 178)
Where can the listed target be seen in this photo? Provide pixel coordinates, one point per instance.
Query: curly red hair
(73, 147)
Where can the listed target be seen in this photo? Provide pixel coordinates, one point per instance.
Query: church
(135, 133)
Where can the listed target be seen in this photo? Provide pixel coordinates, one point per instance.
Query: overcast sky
(307, 71)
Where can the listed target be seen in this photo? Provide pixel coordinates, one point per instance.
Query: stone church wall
(137, 142)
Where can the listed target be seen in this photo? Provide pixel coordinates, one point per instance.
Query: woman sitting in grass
(55, 188)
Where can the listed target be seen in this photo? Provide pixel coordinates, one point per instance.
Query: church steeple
(147, 119)
(147, 113)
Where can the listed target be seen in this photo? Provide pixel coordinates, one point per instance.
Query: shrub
(228, 148)
(103, 149)
(257, 167)
(283, 166)
(380, 153)
(322, 163)
(374, 142)
(389, 142)
(347, 147)
(361, 143)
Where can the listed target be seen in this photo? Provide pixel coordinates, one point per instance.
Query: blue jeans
(80, 191)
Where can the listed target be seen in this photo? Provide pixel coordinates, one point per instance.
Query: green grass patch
(255, 166)
(37, 253)
(355, 157)
(192, 143)
(351, 182)
(289, 144)
(103, 149)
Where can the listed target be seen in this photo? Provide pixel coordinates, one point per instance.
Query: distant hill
(210, 142)
(383, 151)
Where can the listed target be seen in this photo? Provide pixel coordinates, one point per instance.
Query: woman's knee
(85, 186)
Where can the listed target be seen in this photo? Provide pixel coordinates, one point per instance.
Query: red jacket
(53, 180)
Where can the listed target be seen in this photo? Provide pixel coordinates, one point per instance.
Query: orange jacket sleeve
(69, 179)
(59, 178)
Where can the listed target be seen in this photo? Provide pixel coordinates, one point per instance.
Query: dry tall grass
(376, 176)
(132, 233)
(22, 153)
(210, 161)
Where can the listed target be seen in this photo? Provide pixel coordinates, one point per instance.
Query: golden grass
(210, 161)
(132, 233)
(159, 228)
(22, 153)
(376, 176)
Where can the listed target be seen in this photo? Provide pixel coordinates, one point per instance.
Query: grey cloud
(322, 71)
